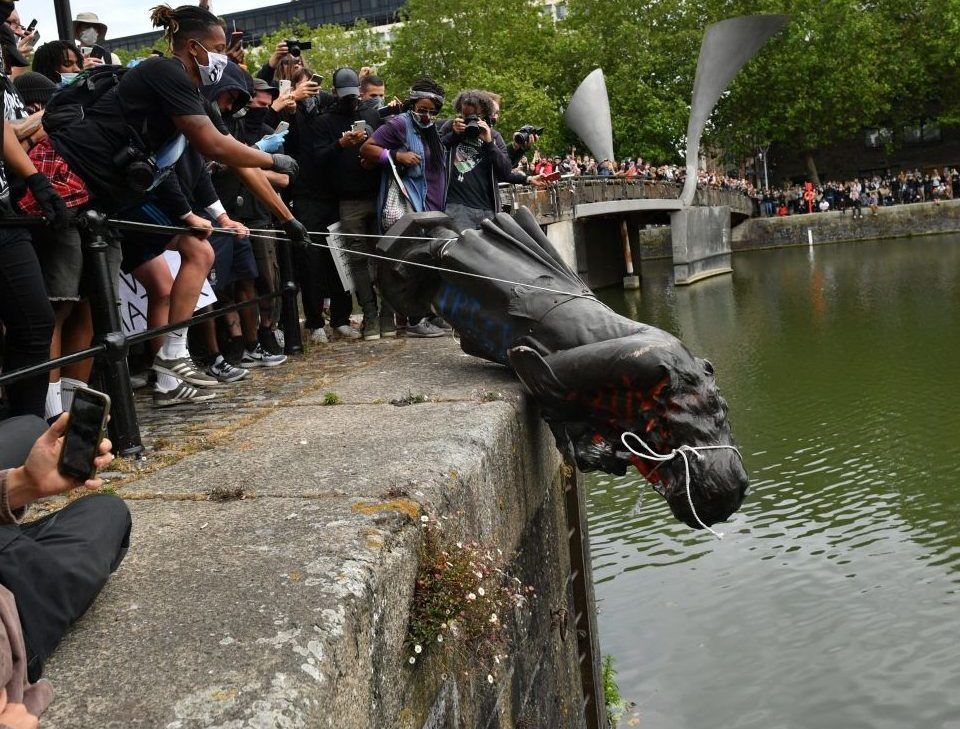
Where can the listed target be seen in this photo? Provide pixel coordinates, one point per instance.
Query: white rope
(272, 235)
(682, 451)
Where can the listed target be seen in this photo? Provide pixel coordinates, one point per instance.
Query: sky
(121, 17)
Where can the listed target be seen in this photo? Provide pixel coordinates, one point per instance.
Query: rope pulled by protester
(682, 451)
(273, 235)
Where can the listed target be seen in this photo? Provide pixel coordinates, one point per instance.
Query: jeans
(465, 217)
(316, 273)
(360, 216)
(27, 316)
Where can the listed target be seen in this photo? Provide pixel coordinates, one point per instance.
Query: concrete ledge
(288, 607)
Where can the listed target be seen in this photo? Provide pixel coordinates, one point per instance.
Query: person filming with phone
(52, 568)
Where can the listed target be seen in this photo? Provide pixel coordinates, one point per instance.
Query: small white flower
(418, 648)
(471, 596)
(439, 639)
(424, 518)
(489, 678)
(443, 626)
(412, 659)
(480, 592)
(496, 659)
(459, 545)
(493, 617)
(480, 577)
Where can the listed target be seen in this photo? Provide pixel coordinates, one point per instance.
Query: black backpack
(67, 104)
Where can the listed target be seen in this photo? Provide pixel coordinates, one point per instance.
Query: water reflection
(833, 600)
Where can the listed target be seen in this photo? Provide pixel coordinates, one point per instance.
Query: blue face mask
(67, 78)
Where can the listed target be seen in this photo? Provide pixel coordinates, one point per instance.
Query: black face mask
(255, 115)
(348, 104)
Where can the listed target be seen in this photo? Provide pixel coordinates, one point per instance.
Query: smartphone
(33, 24)
(236, 39)
(99, 52)
(359, 126)
(85, 51)
(552, 177)
(85, 429)
(283, 85)
(317, 79)
(281, 127)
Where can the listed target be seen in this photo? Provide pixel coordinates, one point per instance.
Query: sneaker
(440, 323)
(345, 331)
(259, 358)
(183, 368)
(224, 372)
(370, 329)
(182, 393)
(388, 327)
(319, 336)
(424, 328)
(268, 340)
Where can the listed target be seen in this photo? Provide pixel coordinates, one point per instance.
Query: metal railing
(111, 346)
(560, 201)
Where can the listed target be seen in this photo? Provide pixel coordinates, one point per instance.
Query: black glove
(296, 232)
(285, 165)
(52, 205)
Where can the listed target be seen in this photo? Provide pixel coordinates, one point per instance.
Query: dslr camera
(522, 136)
(139, 167)
(473, 127)
(294, 46)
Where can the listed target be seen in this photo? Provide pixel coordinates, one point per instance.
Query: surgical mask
(67, 78)
(424, 121)
(376, 100)
(89, 36)
(213, 71)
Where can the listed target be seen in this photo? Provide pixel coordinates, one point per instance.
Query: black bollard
(289, 311)
(108, 330)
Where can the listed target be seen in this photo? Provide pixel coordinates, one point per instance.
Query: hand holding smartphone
(359, 126)
(284, 85)
(85, 429)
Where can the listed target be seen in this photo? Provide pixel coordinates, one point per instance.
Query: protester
(59, 61)
(411, 141)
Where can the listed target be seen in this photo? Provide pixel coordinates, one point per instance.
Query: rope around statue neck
(682, 451)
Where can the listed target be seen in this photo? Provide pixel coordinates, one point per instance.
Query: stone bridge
(595, 223)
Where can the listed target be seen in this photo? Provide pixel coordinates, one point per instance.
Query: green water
(833, 602)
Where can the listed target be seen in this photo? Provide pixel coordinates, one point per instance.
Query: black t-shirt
(146, 100)
(471, 175)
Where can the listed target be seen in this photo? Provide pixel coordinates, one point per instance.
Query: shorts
(234, 260)
(265, 251)
(141, 246)
(61, 261)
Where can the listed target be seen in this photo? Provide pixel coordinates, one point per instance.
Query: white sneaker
(345, 331)
(319, 336)
(259, 357)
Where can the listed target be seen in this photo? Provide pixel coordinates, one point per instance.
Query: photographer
(54, 566)
(477, 160)
(285, 59)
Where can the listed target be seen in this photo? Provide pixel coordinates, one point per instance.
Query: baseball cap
(346, 82)
(260, 85)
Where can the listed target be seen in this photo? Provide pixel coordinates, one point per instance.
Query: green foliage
(331, 398)
(616, 706)
(141, 53)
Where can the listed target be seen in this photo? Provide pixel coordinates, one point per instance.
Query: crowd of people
(576, 164)
(873, 192)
